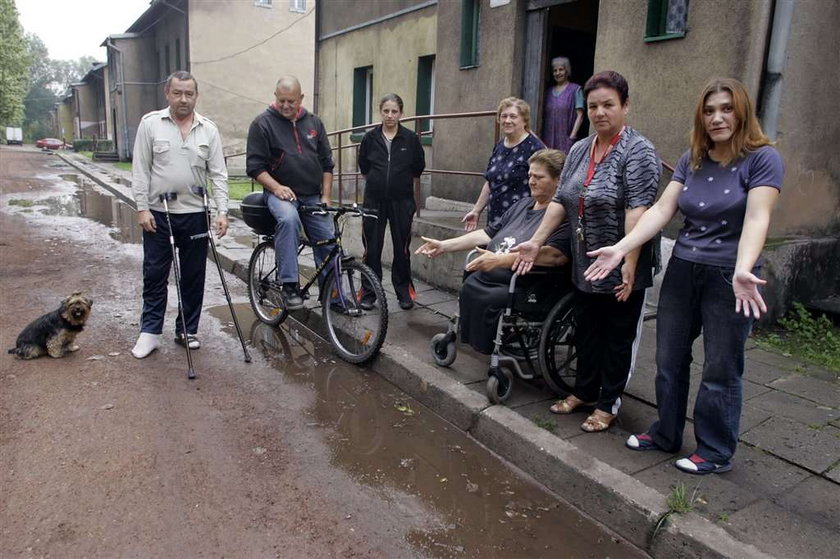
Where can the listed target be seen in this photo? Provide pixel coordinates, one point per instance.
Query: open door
(557, 28)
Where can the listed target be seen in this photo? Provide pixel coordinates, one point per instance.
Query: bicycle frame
(334, 258)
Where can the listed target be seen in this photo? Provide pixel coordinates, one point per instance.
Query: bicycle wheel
(557, 347)
(356, 312)
(266, 300)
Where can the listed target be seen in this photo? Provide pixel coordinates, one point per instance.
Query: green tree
(14, 65)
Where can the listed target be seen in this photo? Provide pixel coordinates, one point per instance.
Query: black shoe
(368, 302)
(291, 296)
(405, 305)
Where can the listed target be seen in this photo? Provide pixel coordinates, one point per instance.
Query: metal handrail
(419, 121)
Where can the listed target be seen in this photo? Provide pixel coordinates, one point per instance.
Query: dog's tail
(13, 351)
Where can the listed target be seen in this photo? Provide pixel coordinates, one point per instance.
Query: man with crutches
(176, 147)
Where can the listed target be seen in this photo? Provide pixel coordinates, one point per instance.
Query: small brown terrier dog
(54, 334)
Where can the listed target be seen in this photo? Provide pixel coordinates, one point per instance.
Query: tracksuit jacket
(391, 177)
(296, 153)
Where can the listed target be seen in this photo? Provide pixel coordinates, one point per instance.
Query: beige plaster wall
(809, 130)
(392, 48)
(237, 51)
(466, 144)
(725, 38)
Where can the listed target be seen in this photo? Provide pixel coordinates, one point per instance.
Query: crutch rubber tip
(191, 374)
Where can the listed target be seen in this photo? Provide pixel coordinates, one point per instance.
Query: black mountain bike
(352, 299)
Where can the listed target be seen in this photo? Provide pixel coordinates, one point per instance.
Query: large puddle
(385, 439)
(88, 201)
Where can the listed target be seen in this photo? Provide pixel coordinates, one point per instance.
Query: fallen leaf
(95, 358)
(114, 353)
(107, 407)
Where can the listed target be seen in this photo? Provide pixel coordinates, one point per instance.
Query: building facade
(236, 49)
(485, 50)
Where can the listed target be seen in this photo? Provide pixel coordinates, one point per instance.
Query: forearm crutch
(202, 191)
(166, 198)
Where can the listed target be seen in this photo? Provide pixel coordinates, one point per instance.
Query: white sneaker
(145, 345)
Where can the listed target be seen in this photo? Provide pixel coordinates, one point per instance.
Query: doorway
(558, 28)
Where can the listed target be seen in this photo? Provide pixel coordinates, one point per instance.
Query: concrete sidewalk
(781, 499)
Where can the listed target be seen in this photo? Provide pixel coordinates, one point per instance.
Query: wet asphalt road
(298, 452)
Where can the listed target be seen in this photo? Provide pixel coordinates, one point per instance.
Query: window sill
(469, 67)
(666, 37)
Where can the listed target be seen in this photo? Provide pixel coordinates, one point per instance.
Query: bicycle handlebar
(323, 209)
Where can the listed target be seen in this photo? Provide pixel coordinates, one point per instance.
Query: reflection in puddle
(390, 442)
(97, 206)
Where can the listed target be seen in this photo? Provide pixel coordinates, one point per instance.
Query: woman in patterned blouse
(725, 186)
(609, 180)
(507, 171)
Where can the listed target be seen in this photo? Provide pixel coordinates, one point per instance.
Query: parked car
(49, 143)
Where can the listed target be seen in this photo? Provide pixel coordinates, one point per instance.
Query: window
(297, 5)
(426, 89)
(469, 33)
(666, 19)
(178, 55)
(362, 95)
(262, 3)
(167, 60)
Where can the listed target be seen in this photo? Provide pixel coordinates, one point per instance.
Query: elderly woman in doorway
(563, 107)
(507, 172)
(484, 293)
(391, 160)
(610, 179)
(725, 186)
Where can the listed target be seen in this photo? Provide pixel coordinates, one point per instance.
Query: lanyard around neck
(590, 173)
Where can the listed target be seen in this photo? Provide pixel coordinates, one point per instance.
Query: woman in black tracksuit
(391, 159)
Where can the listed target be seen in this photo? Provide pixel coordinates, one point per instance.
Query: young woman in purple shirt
(725, 186)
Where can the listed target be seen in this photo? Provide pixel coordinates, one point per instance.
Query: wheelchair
(534, 336)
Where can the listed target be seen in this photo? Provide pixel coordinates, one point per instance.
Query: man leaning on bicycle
(289, 155)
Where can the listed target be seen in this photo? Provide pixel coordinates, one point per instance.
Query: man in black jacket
(289, 155)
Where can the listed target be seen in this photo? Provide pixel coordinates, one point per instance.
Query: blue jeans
(287, 233)
(697, 297)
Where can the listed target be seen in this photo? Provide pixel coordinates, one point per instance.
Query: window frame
(425, 99)
(657, 18)
(263, 3)
(470, 13)
(297, 6)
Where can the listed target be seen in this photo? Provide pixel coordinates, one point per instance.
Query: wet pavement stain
(392, 443)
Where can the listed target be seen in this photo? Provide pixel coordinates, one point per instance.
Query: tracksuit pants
(190, 231)
(398, 214)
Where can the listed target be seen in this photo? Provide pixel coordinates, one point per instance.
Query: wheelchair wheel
(355, 311)
(443, 349)
(266, 301)
(557, 347)
(499, 385)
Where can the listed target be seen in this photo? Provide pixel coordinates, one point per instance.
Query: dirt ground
(104, 455)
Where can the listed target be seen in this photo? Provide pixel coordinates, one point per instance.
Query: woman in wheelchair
(484, 294)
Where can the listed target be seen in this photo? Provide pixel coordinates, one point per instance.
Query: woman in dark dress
(484, 293)
(507, 171)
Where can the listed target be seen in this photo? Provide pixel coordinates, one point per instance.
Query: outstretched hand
(470, 220)
(747, 298)
(606, 260)
(431, 248)
(526, 255)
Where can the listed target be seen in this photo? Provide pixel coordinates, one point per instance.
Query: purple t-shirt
(714, 202)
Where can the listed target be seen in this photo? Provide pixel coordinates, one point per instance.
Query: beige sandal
(597, 422)
(567, 405)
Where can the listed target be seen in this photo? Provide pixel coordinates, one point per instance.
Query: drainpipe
(121, 90)
(775, 65)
